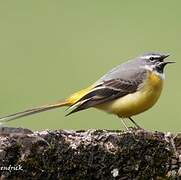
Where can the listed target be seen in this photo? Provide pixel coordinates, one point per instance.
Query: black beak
(169, 62)
(165, 56)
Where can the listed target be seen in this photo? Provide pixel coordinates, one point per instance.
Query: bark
(91, 154)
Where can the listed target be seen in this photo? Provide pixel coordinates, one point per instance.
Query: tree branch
(92, 154)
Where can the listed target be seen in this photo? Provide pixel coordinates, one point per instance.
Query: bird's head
(155, 61)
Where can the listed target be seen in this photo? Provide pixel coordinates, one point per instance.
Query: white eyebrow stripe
(148, 56)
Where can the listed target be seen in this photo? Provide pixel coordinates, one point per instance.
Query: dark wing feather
(107, 91)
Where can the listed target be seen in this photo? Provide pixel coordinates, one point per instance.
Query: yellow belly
(137, 102)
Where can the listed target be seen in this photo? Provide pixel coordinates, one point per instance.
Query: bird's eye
(152, 58)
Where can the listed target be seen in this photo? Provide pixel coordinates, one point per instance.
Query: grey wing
(110, 89)
(126, 71)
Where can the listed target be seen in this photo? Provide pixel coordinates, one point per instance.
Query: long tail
(33, 111)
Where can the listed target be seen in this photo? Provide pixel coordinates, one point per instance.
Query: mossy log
(91, 154)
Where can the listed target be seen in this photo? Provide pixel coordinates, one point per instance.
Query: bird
(126, 90)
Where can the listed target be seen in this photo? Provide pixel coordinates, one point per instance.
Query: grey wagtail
(126, 90)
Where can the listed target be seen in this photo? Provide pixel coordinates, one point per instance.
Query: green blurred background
(50, 49)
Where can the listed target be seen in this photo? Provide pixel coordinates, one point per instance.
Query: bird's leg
(124, 124)
(135, 123)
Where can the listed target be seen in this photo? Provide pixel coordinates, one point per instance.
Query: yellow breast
(139, 101)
